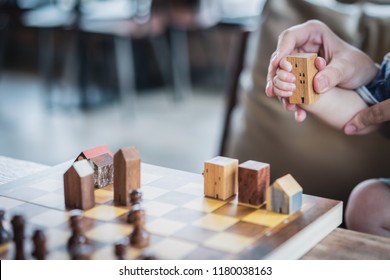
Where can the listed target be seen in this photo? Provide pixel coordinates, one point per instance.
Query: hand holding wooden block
(304, 70)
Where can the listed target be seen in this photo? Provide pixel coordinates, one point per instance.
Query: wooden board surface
(183, 223)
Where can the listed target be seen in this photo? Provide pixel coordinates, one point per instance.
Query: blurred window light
(241, 8)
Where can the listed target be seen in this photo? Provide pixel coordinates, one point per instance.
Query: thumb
(328, 77)
(369, 119)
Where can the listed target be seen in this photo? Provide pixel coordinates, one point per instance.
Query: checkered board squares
(182, 222)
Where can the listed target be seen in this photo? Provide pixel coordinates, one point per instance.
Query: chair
(3, 30)
(236, 65)
(185, 17)
(124, 32)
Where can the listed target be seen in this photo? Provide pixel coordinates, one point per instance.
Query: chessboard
(182, 222)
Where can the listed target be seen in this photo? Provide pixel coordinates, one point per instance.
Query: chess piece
(147, 256)
(139, 238)
(39, 240)
(81, 252)
(135, 211)
(135, 196)
(5, 235)
(120, 250)
(18, 225)
(78, 244)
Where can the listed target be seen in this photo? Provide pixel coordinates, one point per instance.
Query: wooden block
(253, 180)
(304, 70)
(221, 177)
(103, 167)
(284, 195)
(79, 186)
(127, 174)
(94, 152)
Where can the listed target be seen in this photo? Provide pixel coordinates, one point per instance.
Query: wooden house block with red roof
(94, 152)
(284, 195)
(79, 186)
(127, 174)
(101, 159)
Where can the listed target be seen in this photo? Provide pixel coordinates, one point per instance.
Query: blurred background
(155, 74)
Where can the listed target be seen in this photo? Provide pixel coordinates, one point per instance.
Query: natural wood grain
(79, 186)
(343, 244)
(304, 70)
(253, 179)
(220, 177)
(284, 195)
(127, 173)
(340, 244)
(103, 167)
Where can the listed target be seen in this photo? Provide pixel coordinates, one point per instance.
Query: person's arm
(337, 107)
(346, 66)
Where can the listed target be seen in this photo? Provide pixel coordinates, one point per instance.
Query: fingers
(300, 114)
(283, 83)
(369, 119)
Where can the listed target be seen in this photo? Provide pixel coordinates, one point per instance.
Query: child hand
(283, 86)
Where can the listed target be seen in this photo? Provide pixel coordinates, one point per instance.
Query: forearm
(336, 107)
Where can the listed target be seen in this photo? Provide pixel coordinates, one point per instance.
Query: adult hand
(346, 66)
(369, 119)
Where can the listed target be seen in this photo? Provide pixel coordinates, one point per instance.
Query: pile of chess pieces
(79, 246)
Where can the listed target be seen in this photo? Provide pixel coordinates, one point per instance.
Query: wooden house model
(103, 167)
(304, 70)
(284, 195)
(220, 177)
(79, 186)
(94, 152)
(127, 173)
(253, 180)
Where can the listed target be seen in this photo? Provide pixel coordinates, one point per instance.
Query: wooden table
(338, 245)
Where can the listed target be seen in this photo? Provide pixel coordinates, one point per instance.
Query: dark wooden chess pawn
(39, 240)
(78, 244)
(18, 225)
(5, 235)
(146, 255)
(135, 196)
(120, 250)
(81, 252)
(135, 210)
(140, 237)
